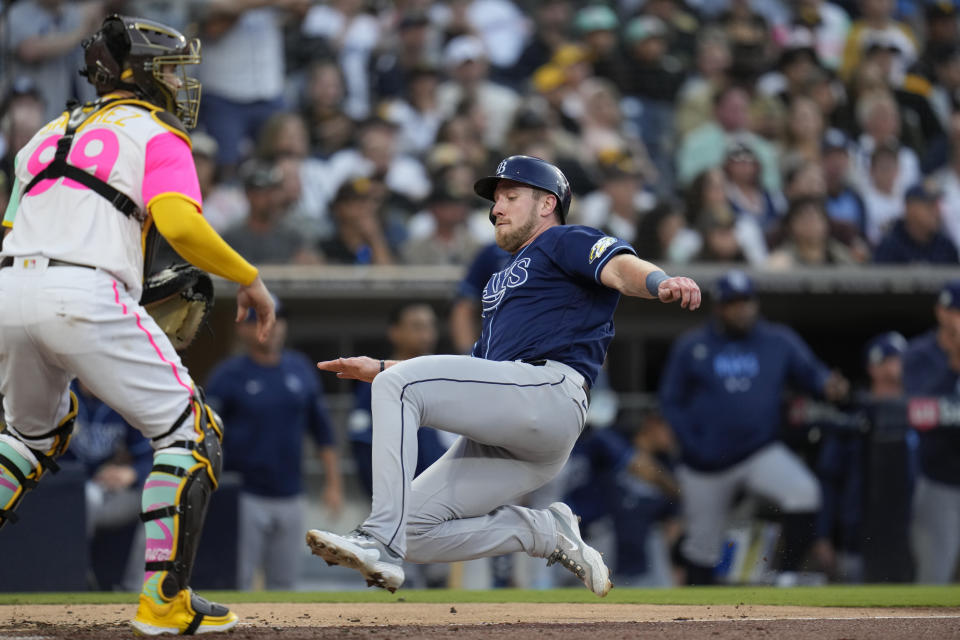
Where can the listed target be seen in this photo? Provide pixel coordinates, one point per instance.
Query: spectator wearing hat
(449, 240)
(683, 25)
(42, 39)
(466, 61)
(706, 146)
(806, 239)
(824, 25)
(941, 34)
(918, 237)
(266, 235)
(931, 367)
(843, 202)
(399, 59)
(876, 17)
(272, 398)
(750, 42)
(794, 73)
(551, 29)
(721, 393)
(598, 25)
(360, 237)
(840, 465)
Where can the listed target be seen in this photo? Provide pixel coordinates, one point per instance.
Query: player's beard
(510, 240)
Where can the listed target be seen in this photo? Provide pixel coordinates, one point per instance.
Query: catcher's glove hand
(179, 298)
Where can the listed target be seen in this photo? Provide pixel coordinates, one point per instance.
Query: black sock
(798, 535)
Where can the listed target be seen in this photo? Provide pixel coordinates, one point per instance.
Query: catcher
(92, 190)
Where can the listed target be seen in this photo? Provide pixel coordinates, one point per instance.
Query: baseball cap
(880, 41)
(645, 27)
(950, 295)
(883, 346)
(927, 190)
(739, 149)
(835, 140)
(596, 18)
(357, 188)
(203, 144)
(260, 174)
(733, 285)
(463, 49)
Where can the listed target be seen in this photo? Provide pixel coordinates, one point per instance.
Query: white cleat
(575, 554)
(358, 550)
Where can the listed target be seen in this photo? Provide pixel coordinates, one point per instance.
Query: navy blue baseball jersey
(548, 301)
(488, 261)
(927, 372)
(722, 395)
(266, 412)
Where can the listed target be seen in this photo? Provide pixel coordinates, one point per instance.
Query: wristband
(653, 282)
(381, 366)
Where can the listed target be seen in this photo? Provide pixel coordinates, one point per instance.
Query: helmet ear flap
(102, 70)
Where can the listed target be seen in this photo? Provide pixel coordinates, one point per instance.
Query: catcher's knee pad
(22, 465)
(198, 477)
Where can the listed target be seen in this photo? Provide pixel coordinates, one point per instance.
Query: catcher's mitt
(179, 298)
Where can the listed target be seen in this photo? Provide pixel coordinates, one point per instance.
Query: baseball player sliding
(92, 190)
(518, 403)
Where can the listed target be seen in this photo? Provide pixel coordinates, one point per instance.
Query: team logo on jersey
(515, 275)
(599, 247)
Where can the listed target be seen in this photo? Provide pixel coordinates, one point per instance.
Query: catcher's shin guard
(175, 499)
(22, 465)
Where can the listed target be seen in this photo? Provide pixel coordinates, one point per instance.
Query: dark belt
(8, 262)
(540, 363)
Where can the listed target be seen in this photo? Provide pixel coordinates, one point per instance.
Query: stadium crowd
(770, 134)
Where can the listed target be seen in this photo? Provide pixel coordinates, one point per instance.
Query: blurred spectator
(883, 195)
(721, 393)
(745, 192)
(351, 33)
(705, 146)
(266, 236)
(330, 128)
(843, 204)
(531, 127)
(794, 74)
(224, 204)
(21, 115)
(603, 128)
(683, 25)
(879, 118)
(707, 201)
(804, 131)
(465, 310)
(44, 38)
(416, 111)
(949, 180)
(242, 71)
(620, 201)
(840, 467)
(940, 35)
(750, 43)
(284, 138)
(501, 26)
(719, 238)
(931, 367)
(807, 240)
(412, 332)
(823, 24)
(360, 237)
(917, 236)
(551, 26)
(271, 399)
(597, 25)
(466, 61)
(449, 241)
(662, 234)
(876, 18)
(376, 156)
(409, 49)
(945, 94)
(694, 103)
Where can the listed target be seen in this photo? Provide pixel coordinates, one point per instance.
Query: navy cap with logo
(950, 295)
(926, 190)
(884, 346)
(733, 285)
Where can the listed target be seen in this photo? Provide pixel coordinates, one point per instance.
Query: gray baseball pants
(517, 424)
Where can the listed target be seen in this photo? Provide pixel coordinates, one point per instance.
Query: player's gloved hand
(358, 368)
(680, 288)
(255, 296)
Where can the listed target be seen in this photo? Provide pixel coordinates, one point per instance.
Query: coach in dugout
(721, 393)
(931, 367)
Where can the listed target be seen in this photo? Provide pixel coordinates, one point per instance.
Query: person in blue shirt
(271, 398)
(918, 236)
(721, 393)
(931, 367)
(518, 404)
(464, 328)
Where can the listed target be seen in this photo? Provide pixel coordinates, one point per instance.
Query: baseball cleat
(186, 615)
(358, 550)
(575, 554)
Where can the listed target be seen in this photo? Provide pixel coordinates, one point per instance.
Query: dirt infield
(519, 621)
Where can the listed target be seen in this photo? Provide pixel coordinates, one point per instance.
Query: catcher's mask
(147, 58)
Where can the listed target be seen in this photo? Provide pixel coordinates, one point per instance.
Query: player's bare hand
(358, 368)
(255, 296)
(680, 289)
(836, 387)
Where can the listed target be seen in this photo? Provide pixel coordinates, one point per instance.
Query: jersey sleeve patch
(599, 247)
(169, 168)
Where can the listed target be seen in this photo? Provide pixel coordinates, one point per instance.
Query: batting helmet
(533, 172)
(137, 55)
